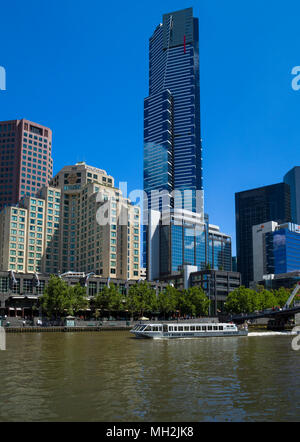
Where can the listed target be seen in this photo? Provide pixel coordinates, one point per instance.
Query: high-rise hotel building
(80, 223)
(26, 162)
(29, 233)
(110, 246)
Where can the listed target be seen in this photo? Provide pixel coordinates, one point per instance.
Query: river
(113, 377)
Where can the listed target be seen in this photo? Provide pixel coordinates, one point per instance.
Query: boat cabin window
(204, 328)
(221, 327)
(192, 328)
(198, 327)
(187, 328)
(170, 328)
(215, 327)
(175, 328)
(165, 328)
(180, 328)
(209, 327)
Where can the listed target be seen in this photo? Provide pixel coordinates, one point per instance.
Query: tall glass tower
(172, 140)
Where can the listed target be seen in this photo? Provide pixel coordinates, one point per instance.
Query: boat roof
(185, 323)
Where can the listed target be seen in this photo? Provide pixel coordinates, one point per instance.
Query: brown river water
(113, 377)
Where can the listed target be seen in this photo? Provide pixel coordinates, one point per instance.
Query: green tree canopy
(76, 299)
(109, 299)
(198, 300)
(58, 297)
(141, 298)
(167, 300)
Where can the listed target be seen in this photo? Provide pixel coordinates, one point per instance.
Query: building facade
(283, 249)
(183, 239)
(26, 162)
(172, 140)
(109, 246)
(253, 207)
(29, 233)
(217, 284)
(172, 110)
(292, 178)
(260, 250)
(81, 223)
(276, 249)
(21, 299)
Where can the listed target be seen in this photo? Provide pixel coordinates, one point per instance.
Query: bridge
(279, 317)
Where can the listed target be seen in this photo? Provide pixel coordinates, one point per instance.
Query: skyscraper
(253, 207)
(293, 179)
(29, 233)
(25, 159)
(172, 141)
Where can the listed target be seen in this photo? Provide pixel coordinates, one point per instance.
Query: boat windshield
(142, 327)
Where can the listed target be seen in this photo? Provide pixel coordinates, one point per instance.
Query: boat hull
(189, 335)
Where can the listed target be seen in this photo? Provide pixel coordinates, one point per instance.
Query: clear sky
(81, 68)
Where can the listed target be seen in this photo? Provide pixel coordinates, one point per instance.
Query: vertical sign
(2, 339)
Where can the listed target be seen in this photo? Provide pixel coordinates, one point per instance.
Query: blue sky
(81, 68)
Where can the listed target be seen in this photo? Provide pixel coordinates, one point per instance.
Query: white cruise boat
(187, 330)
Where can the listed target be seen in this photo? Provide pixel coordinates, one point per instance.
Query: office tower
(25, 159)
(293, 179)
(29, 234)
(172, 141)
(109, 247)
(260, 260)
(183, 240)
(219, 249)
(253, 207)
(276, 249)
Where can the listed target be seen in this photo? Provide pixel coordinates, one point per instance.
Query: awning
(18, 297)
(18, 308)
(11, 308)
(32, 297)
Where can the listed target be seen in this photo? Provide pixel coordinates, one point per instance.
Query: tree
(242, 300)
(167, 300)
(141, 298)
(269, 300)
(55, 297)
(184, 303)
(109, 299)
(76, 299)
(282, 295)
(198, 301)
(58, 297)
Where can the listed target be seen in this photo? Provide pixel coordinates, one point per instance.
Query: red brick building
(25, 159)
